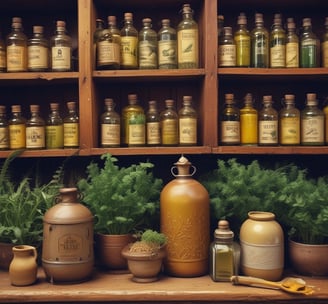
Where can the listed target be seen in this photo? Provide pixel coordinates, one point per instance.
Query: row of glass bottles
(279, 48)
(268, 127)
(36, 54)
(55, 132)
(127, 48)
(134, 127)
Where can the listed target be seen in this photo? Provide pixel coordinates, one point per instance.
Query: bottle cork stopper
(267, 98)
(61, 23)
(169, 102)
(54, 106)
(128, 16)
(242, 20)
(111, 20)
(152, 103)
(132, 98)
(186, 8)
(248, 98)
(2, 109)
(223, 231)
(227, 30)
(71, 105)
(109, 101)
(34, 108)
(258, 18)
(16, 108)
(146, 20)
(307, 22)
(16, 20)
(37, 29)
(311, 98)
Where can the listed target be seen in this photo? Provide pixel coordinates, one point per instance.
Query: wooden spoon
(289, 284)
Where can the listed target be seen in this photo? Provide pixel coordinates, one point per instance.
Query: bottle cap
(54, 106)
(169, 102)
(223, 231)
(128, 16)
(2, 109)
(311, 99)
(267, 99)
(15, 108)
(37, 29)
(34, 108)
(71, 105)
(109, 101)
(132, 98)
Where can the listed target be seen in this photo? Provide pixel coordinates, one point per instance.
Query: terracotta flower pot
(307, 259)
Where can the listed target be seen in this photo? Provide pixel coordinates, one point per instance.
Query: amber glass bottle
(167, 46)
(35, 129)
(54, 128)
(38, 51)
(227, 49)
(17, 128)
(147, 46)
(248, 122)
(71, 126)
(4, 129)
(110, 125)
(153, 132)
(3, 55)
(187, 123)
(169, 124)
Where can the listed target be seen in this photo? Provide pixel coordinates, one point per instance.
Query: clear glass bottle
(187, 123)
(4, 129)
(133, 123)
(129, 44)
(71, 126)
(169, 124)
(308, 46)
(292, 45)
(3, 55)
(38, 51)
(289, 123)
(312, 122)
(147, 46)
(242, 40)
(220, 26)
(54, 128)
(96, 35)
(324, 45)
(17, 127)
(268, 123)
(110, 126)
(167, 46)
(248, 122)
(61, 49)
(230, 122)
(188, 37)
(227, 49)
(16, 47)
(35, 129)
(277, 44)
(153, 127)
(116, 34)
(259, 44)
(224, 254)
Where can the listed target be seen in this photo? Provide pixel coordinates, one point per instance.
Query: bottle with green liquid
(259, 44)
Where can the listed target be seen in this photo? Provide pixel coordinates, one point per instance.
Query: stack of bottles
(135, 128)
(18, 53)
(269, 127)
(55, 132)
(283, 46)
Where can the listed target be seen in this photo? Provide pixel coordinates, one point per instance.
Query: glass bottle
(133, 123)
(167, 46)
(188, 36)
(35, 129)
(242, 40)
(96, 35)
(289, 123)
(16, 47)
(224, 254)
(169, 124)
(187, 123)
(248, 122)
(259, 44)
(153, 128)
(71, 127)
(227, 49)
(324, 45)
(292, 45)
(312, 122)
(147, 46)
(129, 44)
(3, 55)
(220, 26)
(17, 127)
(277, 44)
(61, 49)
(230, 122)
(54, 128)
(108, 50)
(268, 123)
(116, 34)
(308, 46)
(38, 51)
(110, 123)
(4, 129)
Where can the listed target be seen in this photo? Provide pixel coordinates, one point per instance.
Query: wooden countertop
(110, 288)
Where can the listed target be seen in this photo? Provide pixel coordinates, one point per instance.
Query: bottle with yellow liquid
(4, 129)
(292, 45)
(17, 129)
(71, 127)
(243, 43)
(277, 44)
(248, 122)
(187, 123)
(169, 124)
(54, 128)
(289, 123)
(35, 129)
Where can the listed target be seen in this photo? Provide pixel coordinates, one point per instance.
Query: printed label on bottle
(35, 137)
(188, 46)
(129, 55)
(292, 55)
(61, 58)
(108, 53)
(153, 133)
(54, 137)
(16, 58)
(4, 138)
(3, 59)
(264, 257)
(325, 54)
(188, 131)
(147, 55)
(227, 55)
(290, 131)
(110, 134)
(136, 134)
(71, 134)
(17, 136)
(170, 132)
(268, 132)
(230, 131)
(313, 130)
(277, 56)
(167, 52)
(248, 129)
(37, 57)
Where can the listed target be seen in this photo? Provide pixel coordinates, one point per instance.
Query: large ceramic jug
(67, 252)
(184, 209)
(23, 267)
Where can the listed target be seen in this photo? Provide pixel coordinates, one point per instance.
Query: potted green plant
(123, 200)
(145, 256)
